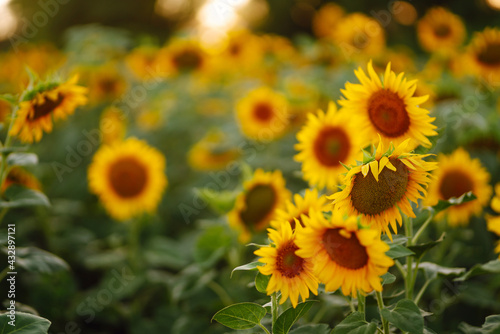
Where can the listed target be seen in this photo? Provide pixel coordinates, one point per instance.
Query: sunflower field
(249, 166)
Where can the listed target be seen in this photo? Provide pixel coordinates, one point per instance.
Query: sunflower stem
(422, 290)
(422, 228)
(4, 273)
(274, 307)
(381, 306)
(133, 247)
(361, 303)
(401, 268)
(409, 259)
(264, 328)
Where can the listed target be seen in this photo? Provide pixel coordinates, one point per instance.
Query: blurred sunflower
(494, 221)
(44, 103)
(360, 36)
(112, 125)
(483, 55)
(5, 111)
(290, 274)
(257, 205)
(105, 83)
(182, 56)
(212, 153)
(20, 176)
(325, 142)
(263, 114)
(241, 51)
(456, 175)
(388, 108)
(292, 213)
(326, 19)
(128, 177)
(440, 31)
(397, 178)
(141, 62)
(345, 256)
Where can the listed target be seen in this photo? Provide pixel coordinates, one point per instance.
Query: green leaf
(248, 266)
(9, 98)
(355, 323)
(397, 239)
(214, 241)
(22, 159)
(490, 326)
(25, 324)
(308, 329)
(220, 202)
(397, 251)
(37, 260)
(432, 270)
(19, 196)
(405, 316)
(240, 316)
(261, 282)
(492, 267)
(286, 320)
(420, 249)
(388, 278)
(442, 205)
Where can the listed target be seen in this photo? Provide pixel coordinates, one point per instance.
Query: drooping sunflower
(483, 55)
(326, 19)
(291, 274)
(211, 153)
(344, 255)
(494, 221)
(397, 178)
(325, 142)
(20, 176)
(456, 175)
(46, 103)
(360, 36)
(388, 108)
(293, 212)
(263, 114)
(112, 125)
(440, 31)
(257, 205)
(128, 177)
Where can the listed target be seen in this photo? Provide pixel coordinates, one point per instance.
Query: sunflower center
(187, 60)
(128, 177)
(442, 30)
(371, 197)
(490, 54)
(346, 252)
(331, 146)
(454, 184)
(287, 263)
(235, 49)
(46, 107)
(259, 202)
(263, 111)
(387, 112)
(108, 85)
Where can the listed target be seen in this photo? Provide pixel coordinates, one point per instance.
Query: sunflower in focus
(263, 114)
(211, 153)
(494, 221)
(325, 142)
(385, 184)
(440, 31)
(361, 36)
(326, 19)
(141, 62)
(344, 255)
(458, 174)
(128, 177)
(112, 125)
(483, 55)
(45, 103)
(291, 274)
(388, 108)
(293, 212)
(20, 176)
(182, 56)
(257, 205)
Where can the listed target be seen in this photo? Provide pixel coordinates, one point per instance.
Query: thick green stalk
(274, 307)
(361, 303)
(409, 259)
(381, 306)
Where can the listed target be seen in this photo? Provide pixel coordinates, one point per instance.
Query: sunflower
(5, 110)
(105, 83)
(360, 36)
(456, 175)
(483, 55)
(303, 205)
(494, 221)
(211, 153)
(290, 273)
(388, 108)
(112, 125)
(396, 179)
(241, 50)
(38, 108)
(263, 114)
(440, 31)
(257, 205)
(325, 142)
(141, 62)
(182, 56)
(128, 177)
(326, 19)
(20, 176)
(345, 255)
